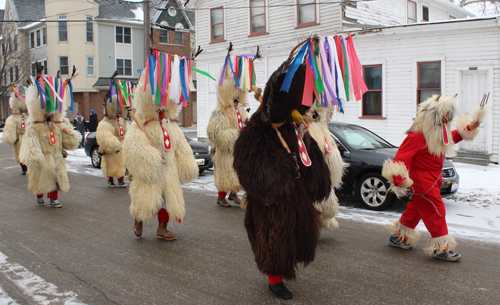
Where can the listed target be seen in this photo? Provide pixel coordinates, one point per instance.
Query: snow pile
(479, 185)
(1, 134)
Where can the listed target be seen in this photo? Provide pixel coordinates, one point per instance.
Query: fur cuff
(463, 130)
(410, 235)
(441, 244)
(392, 169)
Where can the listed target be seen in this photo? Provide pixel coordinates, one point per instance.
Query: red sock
(274, 279)
(121, 178)
(163, 216)
(52, 195)
(110, 178)
(22, 164)
(39, 195)
(222, 194)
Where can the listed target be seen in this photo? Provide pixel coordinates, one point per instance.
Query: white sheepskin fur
(319, 131)
(46, 165)
(110, 142)
(441, 244)
(156, 182)
(12, 132)
(391, 169)
(429, 120)
(222, 130)
(463, 121)
(403, 232)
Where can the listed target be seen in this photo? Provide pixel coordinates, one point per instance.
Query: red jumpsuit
(425, 171)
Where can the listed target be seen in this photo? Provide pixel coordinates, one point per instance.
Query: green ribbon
(203, 73)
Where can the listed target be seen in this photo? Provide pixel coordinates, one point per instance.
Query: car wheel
(373, 192)
(95, 158)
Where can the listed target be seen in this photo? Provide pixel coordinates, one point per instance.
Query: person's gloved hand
(473, 125)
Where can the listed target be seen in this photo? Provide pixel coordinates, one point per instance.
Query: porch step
(472, 158)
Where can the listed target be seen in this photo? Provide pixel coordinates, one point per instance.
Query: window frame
(32, 40)
(418, 78)
(44, 36)
(92, 66)
(124, 66)
(123, 34)
(89, 21)
(60, 66)
(381, 90)
(407, 12)
(307, 24)
(38, 38)
(62, 19)
(223, 39)
(46, 66)
(428, 13)
(252, 33)
(11, 74)
(16, 73)
(451, 17)
(160, 36)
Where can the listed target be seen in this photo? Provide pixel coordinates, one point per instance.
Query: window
(63, 65)
(217, 24)
(16, 70)
(63, 28)
(33, 69)
(4, 48)
(38, 39)
(124, 66)
(257, 16)
(32, 40)
(90, 30)
(90, 65)
(11, 74)
(123, 35)
(45, 67)
(44, 36)
(306, 10)
(15, 42)
(429, 80)
(179, 37)
(451, 17)
(425, 13)
(412, 12)
(372, 99)
(164, 36)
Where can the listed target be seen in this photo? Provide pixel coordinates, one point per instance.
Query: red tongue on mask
(445, 135)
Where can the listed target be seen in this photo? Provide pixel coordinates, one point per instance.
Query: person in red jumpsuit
(417, 167)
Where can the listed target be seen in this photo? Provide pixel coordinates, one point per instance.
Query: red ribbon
(307, 97)
(327, 147)
(52, 138)
(22, 122)
(304, 156)
(238, 116)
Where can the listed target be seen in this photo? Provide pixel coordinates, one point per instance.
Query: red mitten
(398, 180)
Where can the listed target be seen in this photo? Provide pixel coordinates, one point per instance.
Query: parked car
(365, 152)
(201, 152)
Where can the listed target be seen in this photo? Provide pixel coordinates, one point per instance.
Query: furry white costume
(418, 165)
(15, 126)
(42, 153)
(110, 135)
(157, 173)
(223, 129)
(316, 120)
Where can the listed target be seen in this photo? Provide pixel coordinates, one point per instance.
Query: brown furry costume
(46, 165)
(109, 139)
(282, 223)
(318, 129)
(157, 182)
(223, 130)
(12, 132)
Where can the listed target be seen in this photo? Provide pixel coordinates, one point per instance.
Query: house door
(474, 85)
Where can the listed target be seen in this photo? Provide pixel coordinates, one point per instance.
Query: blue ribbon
(41, 94)
(287, 82)
(152, 66)
(311, 63)
(183, 80)
(237, 83)
(72, 107)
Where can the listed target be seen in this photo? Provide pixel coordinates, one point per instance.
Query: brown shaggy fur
(282, 223)
(109, 140)
(12, 132)
(222, 130)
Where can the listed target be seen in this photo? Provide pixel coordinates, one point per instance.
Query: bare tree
(486, 7)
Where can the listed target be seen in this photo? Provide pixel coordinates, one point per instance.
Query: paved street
(86, 252)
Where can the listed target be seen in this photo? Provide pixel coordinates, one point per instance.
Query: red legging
(51, 195)
(163, 216)
(222, 194)
(274, 279)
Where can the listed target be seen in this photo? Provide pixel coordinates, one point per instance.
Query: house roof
(455, 7)
(186, 18)
(27, 10)
(113, 10)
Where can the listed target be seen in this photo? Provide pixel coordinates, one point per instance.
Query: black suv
(365, 152)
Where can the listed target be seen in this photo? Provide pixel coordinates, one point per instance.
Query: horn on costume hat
(438, 97)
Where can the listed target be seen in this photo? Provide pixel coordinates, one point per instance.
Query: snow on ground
(479, 185)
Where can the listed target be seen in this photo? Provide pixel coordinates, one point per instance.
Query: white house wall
(275, 46)
(459, 45)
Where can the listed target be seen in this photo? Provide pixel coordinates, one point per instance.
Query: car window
(360, 138)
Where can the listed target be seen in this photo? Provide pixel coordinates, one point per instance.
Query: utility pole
(147, 29)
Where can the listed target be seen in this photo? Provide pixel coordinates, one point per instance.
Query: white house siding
(459, 45)
(106, 33)
(393, 12)
(275, 46)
